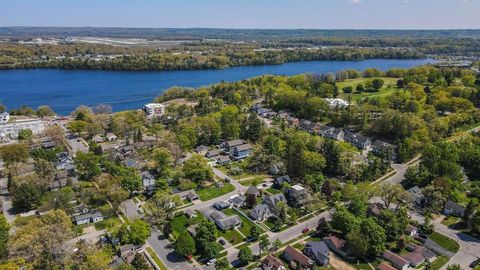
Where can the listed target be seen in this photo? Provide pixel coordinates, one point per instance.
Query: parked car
(305, 230)
(212, 261)
(221, 241)
(474, 263)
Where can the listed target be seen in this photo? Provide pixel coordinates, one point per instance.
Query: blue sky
(320, 14)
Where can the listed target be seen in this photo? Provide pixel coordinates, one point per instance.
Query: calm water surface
(64, 90)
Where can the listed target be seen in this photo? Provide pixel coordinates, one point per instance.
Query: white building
(10, 130)
(154, 109)
(4, 117)
(337, 103)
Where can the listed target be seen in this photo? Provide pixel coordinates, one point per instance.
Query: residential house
(261, 212)
(92, 217)
(190, 213)
(242, 151)
(278, 181)
(79, 210)
(397, 261)
(411, 230)
(154, 109)
(295, 258)
(238, 200)
(127, 253)
(454, 209)
(188, 195)
(192, 229)
(426, 253)
(201, 150)
(4, 117)
(98, 138)
(297, 196)
(223, 221)
(150, 190)
(331, 132)
(357, 140)
(229, 145)
(383, 148)
(111, 137)
(416, 195)
(272, 201)
(221, 205)
(212, 153)
(222, 160)
(317, 251)
(305, 124)
(272, 263)
(337, 245)
(374, 209)
(385, 266)
(48, 144)
(147, 179)
(414, 258)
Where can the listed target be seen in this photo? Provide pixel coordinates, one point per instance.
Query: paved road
(6, 201)
(165, 251)
(284, 236)
(469, 246)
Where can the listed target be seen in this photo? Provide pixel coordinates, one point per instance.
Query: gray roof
(274, 199)
(259, 211)
(229, 221)
(234, 143)
(285, 178)
(223, 159)
(201, 148)
(356, 137)
(243, 147)
(319, 249)
(90, 215)
(238, 199)
(454, 206)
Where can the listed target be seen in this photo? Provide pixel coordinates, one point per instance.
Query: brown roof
(395, 259)
(272, 262)
(297, 256)
(414, 257)
(385, 266)
(337, 242)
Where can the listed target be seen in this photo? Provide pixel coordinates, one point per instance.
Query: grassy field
(214, 192)
(448, 220)
(156, 259)
(273, 191)
(445, 242)
(438, 263)
(180, 224)
(253, 180)
(388, 87)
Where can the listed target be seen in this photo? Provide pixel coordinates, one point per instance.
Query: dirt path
(339, 264)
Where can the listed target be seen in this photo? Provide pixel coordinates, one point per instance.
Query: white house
(111, 137)
(154, 109)
(4, 117)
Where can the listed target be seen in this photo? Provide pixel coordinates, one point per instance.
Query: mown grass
(214, 192)
(444, 241)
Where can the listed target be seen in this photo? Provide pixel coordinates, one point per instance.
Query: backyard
(213, 191)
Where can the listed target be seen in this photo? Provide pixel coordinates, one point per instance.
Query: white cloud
(355, 1)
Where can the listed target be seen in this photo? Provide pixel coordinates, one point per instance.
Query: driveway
(6, 201)
(165, 251)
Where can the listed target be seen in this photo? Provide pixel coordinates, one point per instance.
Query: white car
(212, 261)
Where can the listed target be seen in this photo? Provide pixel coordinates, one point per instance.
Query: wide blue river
(64, 90)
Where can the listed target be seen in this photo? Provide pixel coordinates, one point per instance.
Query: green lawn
(214, 192)
(246, 224)
(438, 263)
(388, 87)
(445, 242)
(273, 191)
(232, 236)
(449, 220)
(156, 259)
(256, 180)
(180, 224)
